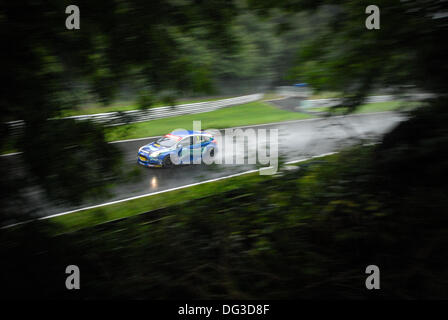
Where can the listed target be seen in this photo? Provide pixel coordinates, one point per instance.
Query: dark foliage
(409, 49)
(308, 234)
(42, 62)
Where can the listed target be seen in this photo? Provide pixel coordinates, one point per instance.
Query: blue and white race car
(178, 147)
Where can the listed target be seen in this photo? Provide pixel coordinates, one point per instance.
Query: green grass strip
(89, 217)
(241, 115)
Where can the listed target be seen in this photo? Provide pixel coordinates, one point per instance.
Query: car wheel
(209, 155)
(167, 163)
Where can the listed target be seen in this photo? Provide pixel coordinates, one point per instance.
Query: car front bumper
(148, 161)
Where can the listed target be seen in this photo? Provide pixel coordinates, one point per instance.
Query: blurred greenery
(169, 99)
(309, 233)
(145, 100)
(186, 48)
(90, 217)
(50, 69)
(342, 55)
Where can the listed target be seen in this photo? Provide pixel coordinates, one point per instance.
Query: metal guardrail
(134, 116)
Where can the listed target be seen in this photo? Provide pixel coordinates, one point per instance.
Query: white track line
(10, 154)
(136, 139)
(318, 156)
(158, 192)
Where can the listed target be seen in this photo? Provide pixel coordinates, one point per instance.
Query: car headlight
(140, 149)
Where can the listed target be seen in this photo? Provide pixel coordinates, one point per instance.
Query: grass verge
(90, 217)
(241, 115)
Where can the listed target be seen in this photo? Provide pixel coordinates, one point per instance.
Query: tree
(408, 49)
(70, 159)
(145, 100)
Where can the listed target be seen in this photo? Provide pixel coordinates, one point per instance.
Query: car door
(196, 148)
(185, 153)
(205, 141)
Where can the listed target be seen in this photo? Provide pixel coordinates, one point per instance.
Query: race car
(178, 147)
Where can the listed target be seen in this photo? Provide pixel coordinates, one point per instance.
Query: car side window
(185, 142)
(205, 139)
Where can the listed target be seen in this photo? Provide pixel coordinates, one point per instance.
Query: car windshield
(167, 141)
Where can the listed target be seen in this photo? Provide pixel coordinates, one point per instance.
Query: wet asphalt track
(297, 140)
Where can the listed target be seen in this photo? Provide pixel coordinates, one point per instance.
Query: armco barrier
(134, 116)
